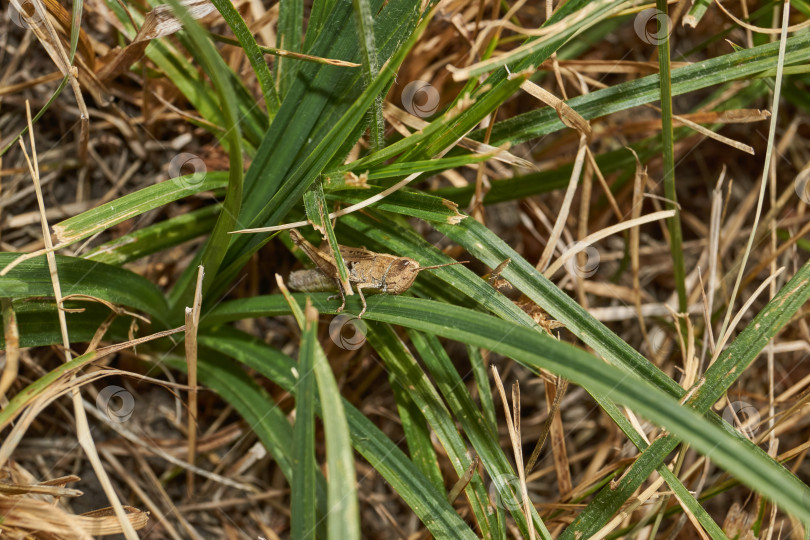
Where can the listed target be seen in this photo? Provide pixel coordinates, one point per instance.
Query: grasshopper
(370, 271)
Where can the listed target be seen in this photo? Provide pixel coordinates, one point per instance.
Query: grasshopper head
(404, 271)
(402, 275)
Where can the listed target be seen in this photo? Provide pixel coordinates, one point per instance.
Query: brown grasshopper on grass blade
(369, 271)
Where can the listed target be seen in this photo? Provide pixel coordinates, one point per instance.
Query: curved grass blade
(134, 204)
(38, 323)
(717, 440)
(159, 236)
(32, 278)
(717, 379)
(743, 64)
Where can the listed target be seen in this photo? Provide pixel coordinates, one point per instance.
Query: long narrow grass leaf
(302, 511)
(254, 54)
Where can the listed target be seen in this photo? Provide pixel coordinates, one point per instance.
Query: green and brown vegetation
(624, 355)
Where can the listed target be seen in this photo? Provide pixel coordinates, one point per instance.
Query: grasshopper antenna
(441, 265)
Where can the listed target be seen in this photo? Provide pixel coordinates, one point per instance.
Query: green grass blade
(32, 278)
(667, 143)
(729, 366)
(491, 250)
(38, 323)
(479, 370)
(303, 499)
(407, 374)
(318, 216)
(403, 169)
(417, 435)
(290, 37)
(318, 17)
(371, 68)
(405, 202)
(718, 441)
(697, 11)
(215, 67)
(743, 64)
(387, 459)
(254, 54)
(483, 438)
(134, 204)
(343, 515)
(156, 237)
(675, 484)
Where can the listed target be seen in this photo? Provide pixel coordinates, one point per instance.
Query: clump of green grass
(638, 274)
